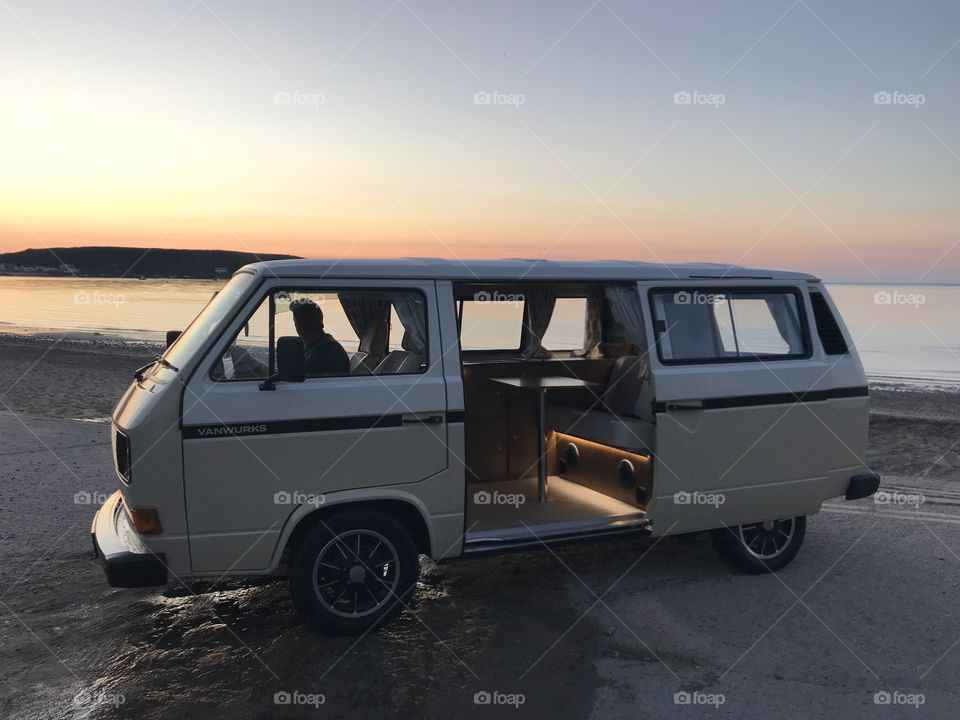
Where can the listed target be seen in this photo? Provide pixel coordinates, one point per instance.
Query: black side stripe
(279, 427)
(787, 398)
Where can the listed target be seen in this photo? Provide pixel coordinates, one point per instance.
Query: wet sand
(515, 624)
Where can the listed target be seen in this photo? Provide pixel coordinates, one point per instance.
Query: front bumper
(126, 561)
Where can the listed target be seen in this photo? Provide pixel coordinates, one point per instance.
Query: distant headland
(129, 262)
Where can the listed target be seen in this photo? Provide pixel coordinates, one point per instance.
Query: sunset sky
(364, 129)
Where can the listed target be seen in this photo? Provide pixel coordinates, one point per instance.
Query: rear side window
(828, 329)
(721, 325)
(491, 320)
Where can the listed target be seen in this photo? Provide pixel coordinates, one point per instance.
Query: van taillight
(122, 450)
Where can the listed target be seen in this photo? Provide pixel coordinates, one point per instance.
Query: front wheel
(761, 547)
(353, 570)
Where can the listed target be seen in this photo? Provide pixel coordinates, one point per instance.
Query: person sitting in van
(323, 354)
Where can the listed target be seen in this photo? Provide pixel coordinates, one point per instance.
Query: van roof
(516, 269)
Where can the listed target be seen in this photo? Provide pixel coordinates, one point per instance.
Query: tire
(346, 592)
(761, 547)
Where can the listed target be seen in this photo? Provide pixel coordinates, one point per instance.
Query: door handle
(685, 405)
(421, 420)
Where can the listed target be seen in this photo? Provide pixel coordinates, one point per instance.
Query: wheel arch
(406, 510)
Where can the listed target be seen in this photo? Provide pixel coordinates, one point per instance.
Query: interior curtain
(539, 307)
(593, 325)
(785, 316)
(361, 311)
(412, 314)
(626, 309)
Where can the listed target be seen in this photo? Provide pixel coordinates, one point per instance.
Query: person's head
(307, 318)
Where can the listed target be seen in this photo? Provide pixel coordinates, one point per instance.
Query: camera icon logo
(482, 497)
(682, 97)
(681, 697)
(882, 297)
(282, 498)
(282, 98)
(82, 498)
(282, 698)
(482, 698)
(882, 98)
(882, 697)
(682, 498)
(682, 298)
(482, 97)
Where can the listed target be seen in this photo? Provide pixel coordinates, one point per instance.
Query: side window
(350, 331)
(566, 329)
(716, 325)
(491, 321)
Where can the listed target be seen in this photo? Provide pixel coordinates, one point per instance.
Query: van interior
(598, 433)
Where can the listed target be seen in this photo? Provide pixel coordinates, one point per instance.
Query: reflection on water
(908, 333)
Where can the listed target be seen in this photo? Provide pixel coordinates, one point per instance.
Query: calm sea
(903, 333)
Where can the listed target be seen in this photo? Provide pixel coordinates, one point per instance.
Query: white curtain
(539, 307)
(626, 308)
(783, 308)
(593, 326)
(362, 311)
(412, 314)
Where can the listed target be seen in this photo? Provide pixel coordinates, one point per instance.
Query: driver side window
(345, 332)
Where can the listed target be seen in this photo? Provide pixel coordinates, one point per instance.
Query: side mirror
(172, 336)
(291, 363)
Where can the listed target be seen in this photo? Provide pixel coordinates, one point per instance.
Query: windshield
(209, 321)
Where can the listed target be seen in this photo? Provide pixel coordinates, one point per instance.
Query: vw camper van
(333, 420)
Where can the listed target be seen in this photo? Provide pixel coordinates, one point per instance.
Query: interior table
(542, 385)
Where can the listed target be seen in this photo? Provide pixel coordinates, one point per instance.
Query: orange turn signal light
(145, 521)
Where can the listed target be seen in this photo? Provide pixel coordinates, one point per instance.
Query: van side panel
(253, 458)
(749, 441)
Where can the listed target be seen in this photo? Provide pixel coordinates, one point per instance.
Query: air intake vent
(827, 328)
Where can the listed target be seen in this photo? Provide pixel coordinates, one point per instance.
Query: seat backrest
(628, 388)
(372, 348)
(401, 361)
(398, 362)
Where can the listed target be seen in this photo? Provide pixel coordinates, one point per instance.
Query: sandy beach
(527, 622)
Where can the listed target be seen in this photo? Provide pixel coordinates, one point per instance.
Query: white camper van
(334, 420)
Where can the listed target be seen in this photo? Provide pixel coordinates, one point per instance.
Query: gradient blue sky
(157, 124)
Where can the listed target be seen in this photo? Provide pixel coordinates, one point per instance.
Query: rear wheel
(761, 547)
(353, 570)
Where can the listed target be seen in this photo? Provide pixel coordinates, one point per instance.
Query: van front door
(369, 416)
(754, 422)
